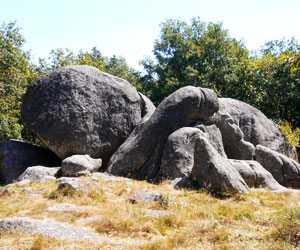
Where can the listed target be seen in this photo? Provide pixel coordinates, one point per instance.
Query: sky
(128, 28)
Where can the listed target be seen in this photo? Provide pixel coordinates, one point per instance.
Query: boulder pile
(94, 121)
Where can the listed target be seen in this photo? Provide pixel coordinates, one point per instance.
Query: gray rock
(233, 139)
(158, 213)
(148, 107)
(49, 228)
(17, 156)
(146, 196)
(75, 165)
(255, 175)
(140, 155)
(68, 183)
(256, 127)
(215, 172)
(179, 183)
(38, 173)
(27, 190)
(61, 207)
(213, 134)
(4, 192)
(33, 196)
(81, 110)
(23, 182)
(179, 152)
(9, 248)
(284, 169)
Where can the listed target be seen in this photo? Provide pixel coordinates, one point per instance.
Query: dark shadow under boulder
(17, 156)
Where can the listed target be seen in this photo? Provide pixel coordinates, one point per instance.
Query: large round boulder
(81, 110)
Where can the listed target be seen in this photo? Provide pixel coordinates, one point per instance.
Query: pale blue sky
(129, 28)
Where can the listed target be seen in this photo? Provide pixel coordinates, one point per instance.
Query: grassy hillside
(259, 220)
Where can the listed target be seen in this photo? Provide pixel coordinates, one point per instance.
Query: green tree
(197, 54)
(15, 74)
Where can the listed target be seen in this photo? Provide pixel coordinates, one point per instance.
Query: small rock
(78, 165)
(27, 190)
(255, 201)
(23, 182)
(68, 184)
(96, 176)
(33, 196)
(4, 192)
(146, 196)
(60, 207)
(158, 213)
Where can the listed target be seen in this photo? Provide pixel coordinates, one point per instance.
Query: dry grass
(258, 220)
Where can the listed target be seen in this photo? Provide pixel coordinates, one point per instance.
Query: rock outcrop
(81, 110)
(49, 228)
(255, 175)
(38, 173)
(17, 156)
(284, 169)
(255, 126)
(140, 155)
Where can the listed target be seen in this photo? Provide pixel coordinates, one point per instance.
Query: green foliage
(292, 136)
(197, 54)
(15, 74)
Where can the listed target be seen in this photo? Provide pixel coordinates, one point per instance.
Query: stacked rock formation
(192, 138)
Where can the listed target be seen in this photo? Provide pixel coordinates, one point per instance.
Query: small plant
(292, 137)
(61, 192)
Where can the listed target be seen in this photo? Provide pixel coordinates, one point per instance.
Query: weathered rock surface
(17, 156)
(256, 127)
(215, 172)
(81, 110)
(61, 207)
(140, 155)
(38, 173)
(76, 165)
(66, 182)
(179, 152)
(48, 227)
(233, 139)
(284, 169)
(189, 154)
(146, 196)
(255, 175)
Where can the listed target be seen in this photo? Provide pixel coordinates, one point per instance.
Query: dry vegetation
(259, 220)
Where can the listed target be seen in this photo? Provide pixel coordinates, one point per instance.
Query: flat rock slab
(146, 196)
(70, 208)
(50, 228)
(23, 182)
(9, 248)
(39, 173)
